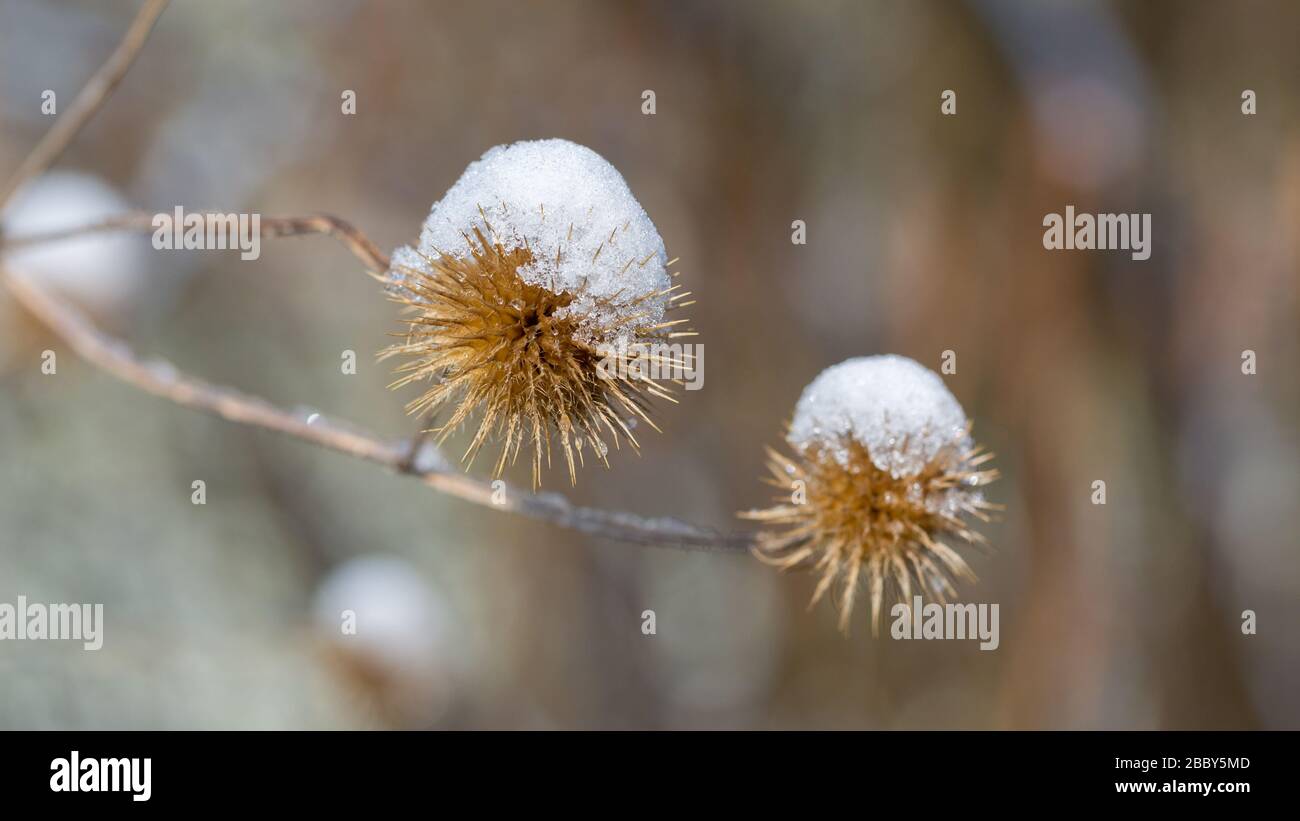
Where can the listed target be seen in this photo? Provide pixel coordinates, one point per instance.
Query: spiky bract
(489, 340)
(852, 521)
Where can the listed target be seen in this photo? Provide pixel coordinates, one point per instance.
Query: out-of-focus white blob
(391, 628)
(399, 620)
(104, 272)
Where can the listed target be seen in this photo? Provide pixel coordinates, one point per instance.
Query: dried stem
(272, 227)
(358, 243)
(163, 379)
(413, 458)
(91, 98)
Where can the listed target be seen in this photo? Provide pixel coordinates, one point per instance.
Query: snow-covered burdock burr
(535, 268)
(884, 472)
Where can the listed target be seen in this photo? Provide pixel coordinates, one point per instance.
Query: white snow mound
(897, 408)
(570, 207)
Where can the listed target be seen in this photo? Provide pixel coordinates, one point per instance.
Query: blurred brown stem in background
(165, 380)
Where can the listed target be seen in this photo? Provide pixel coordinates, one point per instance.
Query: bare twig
(165, 380)
(358, 243)
(92, 96)
(415, 458)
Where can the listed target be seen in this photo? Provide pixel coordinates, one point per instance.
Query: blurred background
(924, 234)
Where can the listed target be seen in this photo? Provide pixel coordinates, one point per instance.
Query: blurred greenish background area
(924, 235)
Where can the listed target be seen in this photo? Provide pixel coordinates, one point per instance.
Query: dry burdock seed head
(885, 471)
(537, 295)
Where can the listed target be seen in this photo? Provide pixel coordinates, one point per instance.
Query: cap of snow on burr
(573, 210)
(898, 409)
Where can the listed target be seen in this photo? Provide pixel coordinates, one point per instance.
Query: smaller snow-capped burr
(884, 472)
(537, 293)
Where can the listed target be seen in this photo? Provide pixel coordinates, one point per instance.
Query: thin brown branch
(89, 101)
(359, 244)
(272, 227)
(163, 379)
